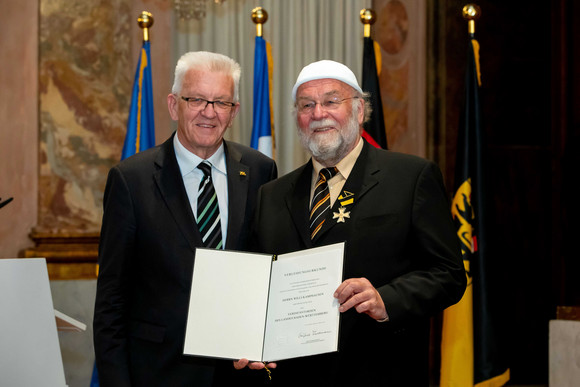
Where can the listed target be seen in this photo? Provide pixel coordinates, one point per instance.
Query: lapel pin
(346, 198)
(242, 173)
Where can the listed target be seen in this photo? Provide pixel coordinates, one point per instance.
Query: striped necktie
(208, 212)
(320, 206)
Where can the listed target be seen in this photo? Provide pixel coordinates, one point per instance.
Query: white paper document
(263, 307)
(30, 353)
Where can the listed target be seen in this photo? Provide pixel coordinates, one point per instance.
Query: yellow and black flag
(373, 129)
(470, 353)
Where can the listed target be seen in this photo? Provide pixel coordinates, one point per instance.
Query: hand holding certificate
(264, 308)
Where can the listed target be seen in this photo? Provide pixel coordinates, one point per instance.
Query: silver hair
(210, 62)
(368, 106)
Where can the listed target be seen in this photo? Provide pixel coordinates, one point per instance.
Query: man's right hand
(253, 365)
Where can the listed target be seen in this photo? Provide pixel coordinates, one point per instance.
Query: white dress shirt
(192, 176)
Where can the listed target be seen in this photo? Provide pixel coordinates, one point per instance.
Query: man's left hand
(362, 295)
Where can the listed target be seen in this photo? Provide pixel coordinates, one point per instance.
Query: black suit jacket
(401, 237)
(146, 255)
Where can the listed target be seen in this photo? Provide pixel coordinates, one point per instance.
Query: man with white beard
(402, 260)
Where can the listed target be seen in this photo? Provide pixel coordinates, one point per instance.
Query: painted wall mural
(85, 84)
(400, 32)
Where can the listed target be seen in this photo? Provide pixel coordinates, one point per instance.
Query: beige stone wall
(66, 82)
(19, 124)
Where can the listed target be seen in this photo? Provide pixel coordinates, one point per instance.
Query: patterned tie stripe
(320, 206)
(208, 213)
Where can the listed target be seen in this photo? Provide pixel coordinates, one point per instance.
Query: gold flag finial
(145, 21)
(471, 12)
(259, 16)
(367, 17)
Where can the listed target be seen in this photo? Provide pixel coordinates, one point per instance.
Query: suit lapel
(298, 202)
(170, 184)
(361, 179)
(238, 183)
(363, 175)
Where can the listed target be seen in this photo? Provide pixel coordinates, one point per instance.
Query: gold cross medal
(345, 199)
(341, 214)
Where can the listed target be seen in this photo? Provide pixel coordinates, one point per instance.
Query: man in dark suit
(152, 204)
(402, 258)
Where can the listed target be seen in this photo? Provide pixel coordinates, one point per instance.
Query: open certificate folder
(263, 307)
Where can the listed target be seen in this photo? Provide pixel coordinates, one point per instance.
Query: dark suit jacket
(401, 237)
(146, 255)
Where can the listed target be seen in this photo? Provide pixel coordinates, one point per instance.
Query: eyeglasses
(199, 104)
(333, 103)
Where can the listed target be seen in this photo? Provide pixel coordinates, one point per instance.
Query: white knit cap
(326, 69)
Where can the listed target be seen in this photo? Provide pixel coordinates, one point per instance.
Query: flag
(262, 124)
(374, 129)
(141, 126)
(470, 353)
(95, 377)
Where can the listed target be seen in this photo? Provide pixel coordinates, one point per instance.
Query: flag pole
(471, 12)
(259, 16)
(145, 21)
(367, 18)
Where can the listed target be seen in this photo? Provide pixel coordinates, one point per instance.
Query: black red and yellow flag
(374, 129)
(470, 353)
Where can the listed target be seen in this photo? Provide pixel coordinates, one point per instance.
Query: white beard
(333, 146)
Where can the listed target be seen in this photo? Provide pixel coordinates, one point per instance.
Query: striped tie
(320, 206)
(208, 212)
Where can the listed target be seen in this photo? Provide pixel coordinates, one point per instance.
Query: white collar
(189, 161)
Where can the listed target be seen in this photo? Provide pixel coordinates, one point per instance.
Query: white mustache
(322, 124)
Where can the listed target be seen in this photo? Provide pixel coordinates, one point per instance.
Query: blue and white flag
(262, 128)
(141, 125)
